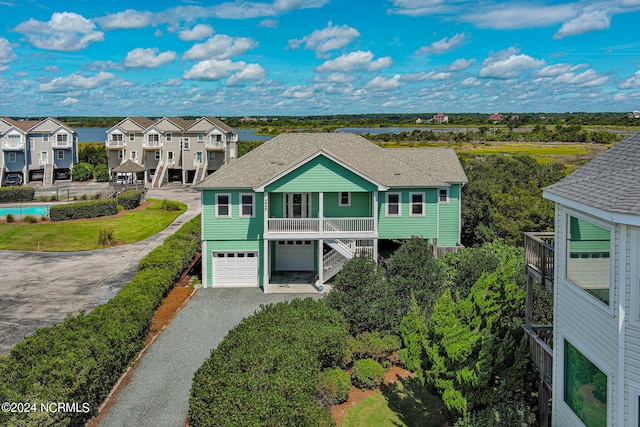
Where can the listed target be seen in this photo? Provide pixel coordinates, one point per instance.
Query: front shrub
(16, 194)
(503, 414)
(265, 371)
(101, 173)
(82, 171)
(129, 199)
(170, 205)
(333, 386)
(91, 209)
(367, 373)
(105, 237)
(10, 218)
(80, 359)
(30, 219)
(370, 345)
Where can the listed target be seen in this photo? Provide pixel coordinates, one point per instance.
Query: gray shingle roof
(609, 182)
(389, 167)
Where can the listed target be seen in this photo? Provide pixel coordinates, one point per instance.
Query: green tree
(82, 171)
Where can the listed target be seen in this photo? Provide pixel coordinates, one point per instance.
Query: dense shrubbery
(101, 173)
(367, 373)
(171, 205)
(265, 371)
(370, 345)
(82, 171)
(333, 386)
(79, 210)
(16, 194)
(79, 359)
(129, 199)
(503, 414)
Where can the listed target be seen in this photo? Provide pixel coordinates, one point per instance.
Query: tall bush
(101, 173)
(16, 194)
(91, 209)
(129, 199)
(82, 171)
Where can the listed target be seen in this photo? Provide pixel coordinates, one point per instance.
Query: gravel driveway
(39, 288)
(158, 392)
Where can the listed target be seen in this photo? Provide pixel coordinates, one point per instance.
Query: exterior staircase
(47, 179)
(201, 171)
(341, 251)
(1, 169)
(158, 177)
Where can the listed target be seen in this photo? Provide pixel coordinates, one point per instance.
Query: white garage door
(294, 255)
(235, 269)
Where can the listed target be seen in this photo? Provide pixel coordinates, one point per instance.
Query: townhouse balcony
(62, 144)
(215, 145)
(12, 145)
(151, 145)
(115, 144)
(320, 227)
(538, 257)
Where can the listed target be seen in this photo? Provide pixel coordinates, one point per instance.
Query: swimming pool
(22, 210)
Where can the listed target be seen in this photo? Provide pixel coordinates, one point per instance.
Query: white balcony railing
(152, 144)
(312, 225)
(115, 144)
(62, 144)
(215, 144)
(12, 145)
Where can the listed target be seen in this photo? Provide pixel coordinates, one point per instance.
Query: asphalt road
(38, 289)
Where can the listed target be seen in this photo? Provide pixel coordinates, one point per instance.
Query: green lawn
(66, 236)
(403, 403)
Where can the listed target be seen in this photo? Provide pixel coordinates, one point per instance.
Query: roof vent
(277, 163)
(397, 173)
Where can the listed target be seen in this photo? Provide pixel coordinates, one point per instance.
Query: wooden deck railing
(538, 256)
(312, 225)
(541, 354)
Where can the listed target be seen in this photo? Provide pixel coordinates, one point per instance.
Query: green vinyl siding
(449, 218)
(234, 228)
(320, 174)
(405, 226)
(232, 246)
(360, 206)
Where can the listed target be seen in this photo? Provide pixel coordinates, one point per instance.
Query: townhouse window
(223, 205)
(344, 198)
(585, 387)
(132, 137)
(588, 262)
(184, 144)
(218, 138)
(134, 155)
(247, 205)
(153, 137)
(61, 138)
(168, 137)
(443, 195)
(15, 139)
(232, 153)
(200, 137)
(156, 154)
(45, 137)
(120, 154)
(32, 144)
(393, 204)
(60, 154)
(116, 137)
(417, 204)
(212, 155)
(12, 157)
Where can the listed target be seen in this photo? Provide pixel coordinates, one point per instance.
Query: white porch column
(375, 212)
(265, 266)
(375, 250)
(266, 213)
(320, 264)
(321, 211)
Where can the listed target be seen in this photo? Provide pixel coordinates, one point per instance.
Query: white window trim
(634, 279)
(211, 155)
(32, 143)
(45, 137)
(120, 154)
(218, 195)
(253, 205)
(612, 268)
(446, 201)
(348, 193)
(200, 137)
(305, 197)
(168, 137)
(157, 155)
(60, 154)
(423, 204)
(133, 155)
(132, 137)
(386, 205)
(634, 405)
(15, 158)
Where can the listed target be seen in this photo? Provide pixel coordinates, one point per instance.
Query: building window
(223, 205)
(12, 157)
(116, 137)
(232, 153)
(200, 137)
(60, 154)
(45, 138)
(585, 388)
(32, 144)
(393, 204)
(168, 137)
(132, 137)
(184, 144)
(61, 138)
(156, 154)
(443, 195)
(134, 155)
(247, 205)
(15, 139)
(212, 155)
(153, 137)
(344, 198)
(120, 154)
(588, 257)
(417, 204)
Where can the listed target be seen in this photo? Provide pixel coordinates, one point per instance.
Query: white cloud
(382, 84)
(52, 68)
(354, 61)
(6, 52)
(329, 38)
(632, 82)
(250, 72)
(591, 20)
(335, 78)
(127, 20)
(289, 5)
(508, 64)
(212, 69)
(148, 58)
(74, 82)
(558, 69)
(298, 92)
(471, 82)
(461, 64)
(444, 45)
(70, 101)
(587, 78)
(517, 16)
(174, 82)
(65, 32)
(417, 7)
(431, 75)
(268, 23)
(199, 32)
(220, 46)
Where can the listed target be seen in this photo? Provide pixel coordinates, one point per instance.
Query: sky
(317, 57)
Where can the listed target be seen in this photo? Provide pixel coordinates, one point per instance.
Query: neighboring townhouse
(308, 202)
(440, 118)
(595, 370)
(38, 150)
(172, 148)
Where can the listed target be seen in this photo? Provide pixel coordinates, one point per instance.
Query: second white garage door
(235, 269)
(294, 255)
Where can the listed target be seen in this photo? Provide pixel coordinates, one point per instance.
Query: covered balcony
(320, 226)
(152, 142)
(215, 145)
(115, 141)
(11, 144)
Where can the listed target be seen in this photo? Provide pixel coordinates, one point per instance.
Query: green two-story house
(310, 201)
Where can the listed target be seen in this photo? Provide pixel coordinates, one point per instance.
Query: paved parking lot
(38, 289)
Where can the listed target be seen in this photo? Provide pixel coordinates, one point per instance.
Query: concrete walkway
(39, 288)
(158, 392)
